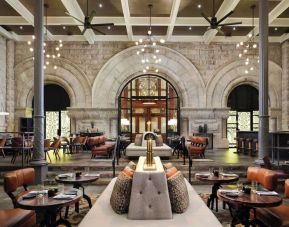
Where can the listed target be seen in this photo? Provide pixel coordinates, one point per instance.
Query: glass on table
(239, 186)
(254, 185)
(221, 170)
(211, 171)
(86, 169)
(60, 188)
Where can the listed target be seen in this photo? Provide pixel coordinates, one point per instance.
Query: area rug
(75, 218)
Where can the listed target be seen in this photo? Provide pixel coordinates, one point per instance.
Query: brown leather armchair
(198, 146)
(18, 178)
(275, 216)
(17, 218)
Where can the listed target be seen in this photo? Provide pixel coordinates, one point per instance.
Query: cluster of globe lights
(51, 53)
(248, 52)
(149, 49)
(149, 52)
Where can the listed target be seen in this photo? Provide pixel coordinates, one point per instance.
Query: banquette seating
(275, 216)
(99, 146)
(12, 181)
(197, 146)
(266, 177)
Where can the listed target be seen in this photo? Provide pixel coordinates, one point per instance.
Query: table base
(213, 197)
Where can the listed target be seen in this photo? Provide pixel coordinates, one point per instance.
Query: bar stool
(256, 146)
(249, 147)
(242, 145)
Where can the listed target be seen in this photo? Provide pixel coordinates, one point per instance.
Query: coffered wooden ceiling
(173, 20)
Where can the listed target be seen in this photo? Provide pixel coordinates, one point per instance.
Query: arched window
(149, 103)
(244, 113)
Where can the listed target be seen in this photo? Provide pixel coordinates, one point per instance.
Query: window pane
(65, 124)
(52, 122)
(244, 121)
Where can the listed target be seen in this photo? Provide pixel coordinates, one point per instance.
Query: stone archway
(232, 75)
(126, 64)
(67, 75)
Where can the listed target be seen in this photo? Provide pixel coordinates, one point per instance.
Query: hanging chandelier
(149, 50)
(51, 51)
(249, 48)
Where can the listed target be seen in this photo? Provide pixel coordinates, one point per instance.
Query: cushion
(159, 141)
(128, 171)
(138, 140)
(132, 165)
(171, 171)
(178, 193)
(120, 196)
(168, 165)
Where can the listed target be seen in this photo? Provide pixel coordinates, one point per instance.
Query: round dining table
(47, 208)
(216, 181)
(241, 204)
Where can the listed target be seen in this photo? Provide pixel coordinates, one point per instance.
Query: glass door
(57, 123)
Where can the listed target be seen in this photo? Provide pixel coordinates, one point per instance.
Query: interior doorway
(57, 121)
(149, 103)
(244, 112)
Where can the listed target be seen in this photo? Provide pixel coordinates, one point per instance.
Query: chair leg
(3, 153)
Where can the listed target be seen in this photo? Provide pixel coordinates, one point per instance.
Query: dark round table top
(252, 199)
(45, 203)
(73, 179)
(219, 179)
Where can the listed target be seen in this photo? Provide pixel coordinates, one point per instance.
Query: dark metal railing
(116, 155)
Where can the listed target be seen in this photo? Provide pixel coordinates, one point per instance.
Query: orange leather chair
(18, 178)
(267, 178)
(198, 146)
(275, 216)
(17, 218)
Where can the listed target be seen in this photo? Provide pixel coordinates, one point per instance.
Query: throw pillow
(168, 165)
(178, 193)
(138, 140)
(159, 141)
(132, 165)
(120, 196)
(128, 171)
(171, 171)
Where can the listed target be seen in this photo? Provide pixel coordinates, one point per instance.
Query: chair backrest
(286, 193)
(2, 142)
(47, 143)
(199, 141)
(267, 178)
(18, 178)
(56, 144)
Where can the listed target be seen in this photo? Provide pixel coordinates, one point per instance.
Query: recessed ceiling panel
(160, 8)
(285, 14)
(189, 30)
(235, 31)
(64, 30)
(111, 30)
(189, 8)
(243, 9)
(143, 30)
(55, 7)
(20, 30)
(6, 9)
(278, 31)
(103, 8)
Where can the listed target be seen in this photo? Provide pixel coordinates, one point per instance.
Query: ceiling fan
(217, 24)
(87, 21)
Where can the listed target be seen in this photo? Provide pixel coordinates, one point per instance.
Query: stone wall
(203, 75)
(2, 82)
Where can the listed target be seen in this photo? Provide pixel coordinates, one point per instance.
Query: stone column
(38, 154)
(263, 135)
(10, 83)
(285, 85)
(3, 83)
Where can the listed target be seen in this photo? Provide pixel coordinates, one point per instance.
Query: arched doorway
(149, 103)
(244, 113)
(56, 100)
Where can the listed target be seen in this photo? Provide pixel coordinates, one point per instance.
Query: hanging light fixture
(51, 51)
(249, 48)
(149, 50)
